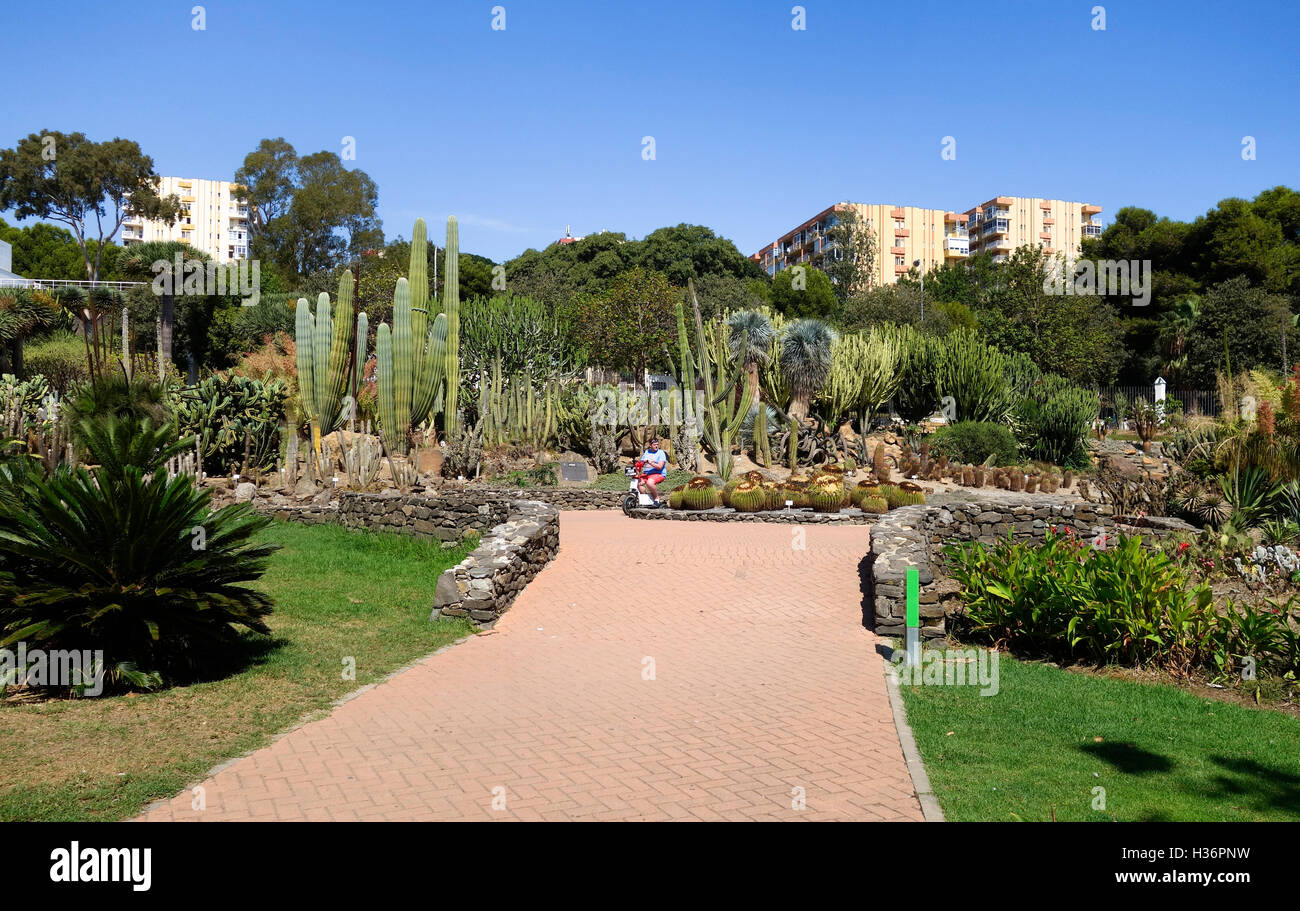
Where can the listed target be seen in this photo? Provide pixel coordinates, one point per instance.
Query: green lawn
(1050, 736)
(339, 594)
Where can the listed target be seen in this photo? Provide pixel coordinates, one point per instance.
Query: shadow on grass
(1128, 758)
(1261, 786)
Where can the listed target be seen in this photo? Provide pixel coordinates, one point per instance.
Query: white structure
(211, 220)
(7, 276)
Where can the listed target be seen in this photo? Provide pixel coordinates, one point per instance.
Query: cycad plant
(133, 564)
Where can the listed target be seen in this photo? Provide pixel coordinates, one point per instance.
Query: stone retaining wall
(916, 535)
(448, 516)
(484, 584)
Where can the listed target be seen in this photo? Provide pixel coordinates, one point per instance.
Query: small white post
(1160, 398)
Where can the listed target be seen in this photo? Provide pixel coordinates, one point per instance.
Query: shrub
(1127, 604)
(1053, 419)
(60, 358)
(974, 441)
(106, 560)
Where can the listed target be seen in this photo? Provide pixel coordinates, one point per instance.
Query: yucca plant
(804, 358)
(134, 565)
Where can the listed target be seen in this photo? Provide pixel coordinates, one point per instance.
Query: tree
(308, 214)
(628, 326)
(44, 251)
(1076, 336)
(687, 252)
(1242, 319)
(68, 178)
(852, 259)
(802, 291)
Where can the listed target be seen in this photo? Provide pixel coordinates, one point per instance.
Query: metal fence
(1196, 402)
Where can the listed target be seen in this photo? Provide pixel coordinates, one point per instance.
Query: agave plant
(137, 566)
(1250, 492)
(1212, 509)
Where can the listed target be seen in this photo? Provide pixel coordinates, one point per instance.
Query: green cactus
(324, 350)
(701, 497)
(876, 505)
(727, 490)
(773, 495)
(724, 411)
(451, 307)
(412, 375)
(675, 497)
(825, 497)
(748, 497)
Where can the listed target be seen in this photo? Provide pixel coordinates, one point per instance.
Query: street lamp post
(917, 263)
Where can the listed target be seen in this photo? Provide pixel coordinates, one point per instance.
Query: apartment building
(211, 219)
(1006, 222)
(905, 234)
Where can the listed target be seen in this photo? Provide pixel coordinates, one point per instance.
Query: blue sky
(757, 126)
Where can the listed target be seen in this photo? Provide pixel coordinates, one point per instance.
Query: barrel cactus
(773, 496)
(795, 493)
(699, 482)
(876, 505)
(1031, 484)
(706, 497)
(748, 497)
(675, 497)
(825, 497)
(728, 489)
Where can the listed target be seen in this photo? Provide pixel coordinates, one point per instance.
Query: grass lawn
(338, 594)
(1049, 737)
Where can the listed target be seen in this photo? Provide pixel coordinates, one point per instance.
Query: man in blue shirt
(655, 466)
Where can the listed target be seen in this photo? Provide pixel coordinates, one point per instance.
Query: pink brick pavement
(764, 681)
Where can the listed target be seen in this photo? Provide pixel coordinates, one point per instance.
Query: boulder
(245, 492)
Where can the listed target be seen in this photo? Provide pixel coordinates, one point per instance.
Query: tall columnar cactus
(324, 348)
(451, 306)
(688, 455)
(412, 355)
(724, 410)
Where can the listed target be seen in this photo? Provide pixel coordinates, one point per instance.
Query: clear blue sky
(757, 126)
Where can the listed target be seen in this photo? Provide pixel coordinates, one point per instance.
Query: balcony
(187, 199)
(1091, 230)
(956, 246)
(898, 251)
(902, 232)
(1091, 210)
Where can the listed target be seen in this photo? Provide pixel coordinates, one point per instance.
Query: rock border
(484, 585)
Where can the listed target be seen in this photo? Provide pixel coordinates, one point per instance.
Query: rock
(322, 498)
(245, 492)
(430, 461)
(305, 488)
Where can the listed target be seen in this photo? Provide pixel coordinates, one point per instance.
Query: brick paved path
(764, 681)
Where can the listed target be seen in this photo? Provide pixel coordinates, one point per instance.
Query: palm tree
(1175, 327)
(805, 361)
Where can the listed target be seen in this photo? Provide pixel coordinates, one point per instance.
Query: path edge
(930, 808)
